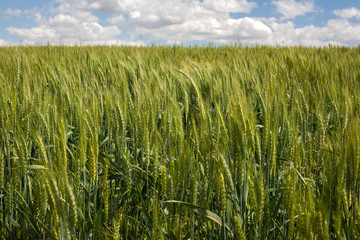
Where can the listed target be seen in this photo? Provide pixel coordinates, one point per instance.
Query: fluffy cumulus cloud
(125, 6)
(230, 5)
(171, 20)
(3, 42)
(70, 27)
(291, 8)
(335, 32)
(348, 13)
(176, 22)
(179, 21)
(246, 30)
(12, 12)
(66, 29)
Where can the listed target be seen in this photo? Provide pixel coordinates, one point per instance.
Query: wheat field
(179, 142)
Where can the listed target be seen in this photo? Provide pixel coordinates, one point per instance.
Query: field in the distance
(179, 143)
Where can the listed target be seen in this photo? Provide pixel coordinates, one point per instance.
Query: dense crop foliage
(179, 143)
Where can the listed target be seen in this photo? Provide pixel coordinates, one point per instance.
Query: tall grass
(179, 143)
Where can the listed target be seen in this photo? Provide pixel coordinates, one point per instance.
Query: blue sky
(143, 22)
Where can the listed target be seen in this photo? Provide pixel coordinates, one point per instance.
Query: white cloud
(291, 8)
(348, 13)
(214, 30)
(282, 33)
(190, 20)
(106, 6)
(343, 30)
(335, 32)
(230, 5)
(79, 27)
(160, 13)
(4, 43)
(175, 22)
(69, 23)
(13, 12)
(126, 6)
